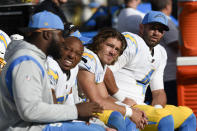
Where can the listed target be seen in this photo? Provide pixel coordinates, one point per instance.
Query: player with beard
(142, 64)
(26, 101)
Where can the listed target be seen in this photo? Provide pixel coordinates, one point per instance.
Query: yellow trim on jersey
(61, 97)
(145, 81)
(147, 77)
(53, 74)
(132, 39)
(89, 55)
(2, 38)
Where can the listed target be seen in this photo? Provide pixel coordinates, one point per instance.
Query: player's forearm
(110, 82)
(159, 97)
(108, 103)
(112, 99)
(32, 108)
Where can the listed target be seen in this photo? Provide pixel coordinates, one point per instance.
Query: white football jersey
(136, 68)
(92, 63)
(4, 41)
(62, 85)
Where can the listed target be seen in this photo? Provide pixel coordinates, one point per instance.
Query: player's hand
(87, 110)
(139, 118)
(129, 102)
(145, 118)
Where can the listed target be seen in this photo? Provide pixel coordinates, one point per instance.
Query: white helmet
(4, 41)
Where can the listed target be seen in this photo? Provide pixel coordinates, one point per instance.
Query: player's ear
(46, 35)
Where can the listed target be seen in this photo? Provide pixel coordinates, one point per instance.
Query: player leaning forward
(142, 64)
(26, 102)
(104, 50)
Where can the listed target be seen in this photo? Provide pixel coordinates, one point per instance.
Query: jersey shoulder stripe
(90, 56)
(131, 39)
(3, 40)
(53, 75)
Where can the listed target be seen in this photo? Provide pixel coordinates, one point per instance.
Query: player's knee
(166, 124)
(189, 123)
(116, 120)
(186, 109)
(192, 120)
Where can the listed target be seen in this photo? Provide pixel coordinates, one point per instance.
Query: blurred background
(89, 15)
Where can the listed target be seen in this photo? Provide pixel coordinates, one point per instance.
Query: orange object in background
(187, 15)
(187, 82)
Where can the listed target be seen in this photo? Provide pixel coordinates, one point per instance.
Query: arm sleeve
(128, 53)
(156, 82)
(33, 98)
(88, 63)
(53, 72)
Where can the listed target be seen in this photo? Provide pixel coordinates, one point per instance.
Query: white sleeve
(53, 73)
(5, 38)
(88, 62)
(128, 53)
(4, 42)
(29, 96)
(156, 82)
